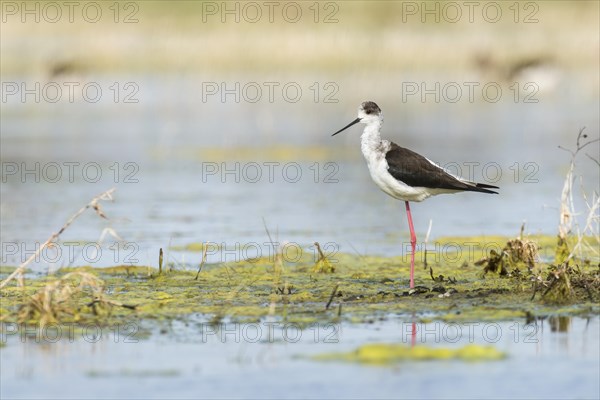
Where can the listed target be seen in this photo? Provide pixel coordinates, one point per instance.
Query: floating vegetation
(197, 247)
(392, 353)
(564, 284)
(441, 278)
(562, 250)
(67, 298)
(248, 291)
(559, 289)
(322, 266)
(515, 254)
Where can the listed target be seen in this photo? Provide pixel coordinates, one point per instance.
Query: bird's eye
(368, 112)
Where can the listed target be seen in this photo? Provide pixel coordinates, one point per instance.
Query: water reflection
(560, 323)
(260, 358)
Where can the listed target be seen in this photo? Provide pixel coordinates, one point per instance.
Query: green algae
(323, 265)
(7, 270)
(392, 353)
(195, 247)
(562, 250)
(358, 289)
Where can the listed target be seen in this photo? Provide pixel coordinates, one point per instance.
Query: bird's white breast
(374, 152)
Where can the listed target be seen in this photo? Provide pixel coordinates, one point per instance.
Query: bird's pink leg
(413, 244)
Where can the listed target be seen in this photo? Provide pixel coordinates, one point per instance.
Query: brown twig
(522, 231)
(332, 295)
(92, 204)
(203, 261)
(160, 260)
(321, 255)
(425, 244)
(112, 303)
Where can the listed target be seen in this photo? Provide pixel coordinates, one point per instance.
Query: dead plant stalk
(567, 205)
(94, 203)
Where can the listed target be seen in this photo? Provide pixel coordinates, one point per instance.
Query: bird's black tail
(483, 188)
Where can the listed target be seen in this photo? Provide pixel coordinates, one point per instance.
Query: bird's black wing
(415, 170)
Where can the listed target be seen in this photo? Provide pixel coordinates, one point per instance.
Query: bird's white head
(368, 113)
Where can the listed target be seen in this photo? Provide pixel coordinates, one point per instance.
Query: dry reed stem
(94, 203)
(333, 292)
(425, 244)
(592, 226)
(567, 205)
(205, 245)
(52, 300)
(61, 297)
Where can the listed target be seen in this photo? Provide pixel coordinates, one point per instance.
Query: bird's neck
(370, 139)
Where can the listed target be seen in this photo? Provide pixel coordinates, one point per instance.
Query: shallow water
(191, 171)
(272, 360)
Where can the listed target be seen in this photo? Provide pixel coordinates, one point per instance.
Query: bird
(404, 174)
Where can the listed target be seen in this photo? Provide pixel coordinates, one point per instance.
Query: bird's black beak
(356, 121)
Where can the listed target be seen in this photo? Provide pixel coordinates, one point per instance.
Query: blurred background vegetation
(370, 36)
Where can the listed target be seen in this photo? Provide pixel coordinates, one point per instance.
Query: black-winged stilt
(402, 173)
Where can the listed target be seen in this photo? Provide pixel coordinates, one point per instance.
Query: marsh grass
(67, 298)
(562, 278)
(516, 253)
(569, 217)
